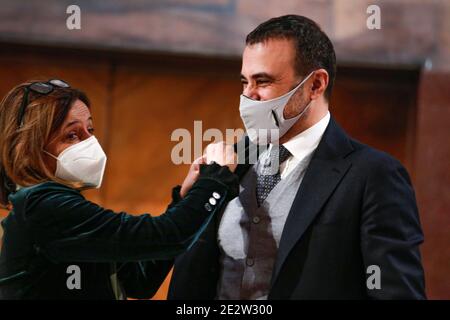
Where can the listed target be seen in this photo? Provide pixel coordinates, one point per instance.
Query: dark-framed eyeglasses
(41, 88)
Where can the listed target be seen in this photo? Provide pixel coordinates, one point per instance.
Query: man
(337, 221)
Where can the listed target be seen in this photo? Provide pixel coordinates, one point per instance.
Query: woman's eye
(72, 136)
(91, 130)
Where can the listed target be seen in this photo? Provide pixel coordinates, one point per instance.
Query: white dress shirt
(303, 145)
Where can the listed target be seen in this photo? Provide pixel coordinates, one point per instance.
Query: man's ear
(320, 80)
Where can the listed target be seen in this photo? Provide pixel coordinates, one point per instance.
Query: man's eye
(262, 82)
(91, 130)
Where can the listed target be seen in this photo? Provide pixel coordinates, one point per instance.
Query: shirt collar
(307, 141)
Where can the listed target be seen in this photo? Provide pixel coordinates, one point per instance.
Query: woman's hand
(192, 176)
(221, 153)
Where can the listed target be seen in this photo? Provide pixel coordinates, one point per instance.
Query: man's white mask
(264, 120)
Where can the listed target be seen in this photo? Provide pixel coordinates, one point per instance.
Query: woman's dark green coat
(52, 227)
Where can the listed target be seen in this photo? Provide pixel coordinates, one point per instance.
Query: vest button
(250, 262)
(208, 207)
(256, 220)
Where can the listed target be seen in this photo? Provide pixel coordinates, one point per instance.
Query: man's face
(268, 69)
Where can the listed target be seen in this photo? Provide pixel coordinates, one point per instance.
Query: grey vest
(249, 236)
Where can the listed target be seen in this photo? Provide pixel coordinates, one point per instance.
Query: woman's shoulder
(48, 191)
(47, 186)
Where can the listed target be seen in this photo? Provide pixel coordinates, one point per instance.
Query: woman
(59, 245)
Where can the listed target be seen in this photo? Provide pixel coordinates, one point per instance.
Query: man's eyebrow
(259, 76)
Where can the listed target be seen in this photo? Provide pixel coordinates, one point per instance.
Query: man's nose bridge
(250, 91)
(247, 90)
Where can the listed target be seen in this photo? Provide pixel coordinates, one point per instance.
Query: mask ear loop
(307, 77)
(303, 81)
(306, 109)
(310, 102)
(56, 158)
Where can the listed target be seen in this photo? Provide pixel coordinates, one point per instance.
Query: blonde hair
(21, 147)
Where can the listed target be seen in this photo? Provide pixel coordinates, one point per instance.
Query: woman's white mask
(83, 162)
(264, 120)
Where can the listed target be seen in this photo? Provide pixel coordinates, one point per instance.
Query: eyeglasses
(41, 88)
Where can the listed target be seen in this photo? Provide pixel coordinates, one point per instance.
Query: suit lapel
(326, 169)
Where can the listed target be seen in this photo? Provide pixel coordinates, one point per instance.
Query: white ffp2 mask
(263, 118)
(83, 162)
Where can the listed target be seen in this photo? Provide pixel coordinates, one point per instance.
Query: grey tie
(267, 179)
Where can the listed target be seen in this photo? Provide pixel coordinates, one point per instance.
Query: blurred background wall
(151, 67)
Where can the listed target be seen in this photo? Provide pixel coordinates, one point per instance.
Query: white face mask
(264, 120)
(83, 162)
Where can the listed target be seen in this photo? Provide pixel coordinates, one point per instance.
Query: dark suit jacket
(355, 208)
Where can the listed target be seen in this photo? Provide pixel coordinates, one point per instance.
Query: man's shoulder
(370, 158)
(360, 154)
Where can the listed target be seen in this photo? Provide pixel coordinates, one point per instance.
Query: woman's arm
(67, 227)
(142, 279)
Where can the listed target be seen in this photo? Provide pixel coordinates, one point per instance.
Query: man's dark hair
(314, 48)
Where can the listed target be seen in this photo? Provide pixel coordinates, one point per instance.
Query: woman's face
(76, 127)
